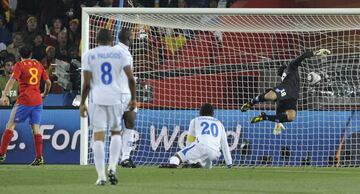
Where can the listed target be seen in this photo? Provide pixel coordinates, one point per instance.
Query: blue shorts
(20, 113)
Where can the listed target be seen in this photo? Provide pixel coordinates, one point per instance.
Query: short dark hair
(9, 58)
(124, 35)
(104, 36)
(25, 52)
(207, 110)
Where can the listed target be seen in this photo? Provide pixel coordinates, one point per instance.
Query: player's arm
(132, 86)
(225, 149)
(5, 101)
(307, 54)
(297, 62)
(46, 89)
(4, 97)
(47, 84)
(191, 133)
(85, 92)
(87, 76)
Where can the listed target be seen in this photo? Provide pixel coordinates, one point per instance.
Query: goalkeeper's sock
(99, 159)
(127, 143)
(257, 99)
(5, 141)
(115, 148)
(174, 160)
(38, 141)
(279, 118)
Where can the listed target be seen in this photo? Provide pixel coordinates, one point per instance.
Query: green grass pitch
(64, 179)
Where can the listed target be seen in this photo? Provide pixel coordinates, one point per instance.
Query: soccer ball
(313, 78)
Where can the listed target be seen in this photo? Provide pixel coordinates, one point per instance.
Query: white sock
(99, 159)
(115, 148)
(174, 160)
(127, 142)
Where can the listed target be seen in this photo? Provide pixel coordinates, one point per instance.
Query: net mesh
(184, 60)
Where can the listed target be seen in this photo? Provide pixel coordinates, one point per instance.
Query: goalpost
(186, 57)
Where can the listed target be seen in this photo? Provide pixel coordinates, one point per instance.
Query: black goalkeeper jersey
(290, 77)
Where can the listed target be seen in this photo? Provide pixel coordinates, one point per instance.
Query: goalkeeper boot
(112, 177)
(168, 165)
(38, 162)
(279, 127)
(2, 158)
(100, 182)
(128, 163)
(258, 118)
(246, 106)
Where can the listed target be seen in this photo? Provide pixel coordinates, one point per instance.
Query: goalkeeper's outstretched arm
(297, 62)
(225, 149)
(307, 54)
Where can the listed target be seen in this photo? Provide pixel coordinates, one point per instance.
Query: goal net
(186, 57)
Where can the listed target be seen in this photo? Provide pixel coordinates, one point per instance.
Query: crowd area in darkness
(52, 28)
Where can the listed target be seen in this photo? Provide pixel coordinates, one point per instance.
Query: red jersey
(28, 73)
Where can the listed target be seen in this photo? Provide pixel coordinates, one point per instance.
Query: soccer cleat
(128, 163)
(112, 177)
(100, 182)
(193, 165)
(2, 158)
(246, 106)
(279, 127)
(168, 166)
(38, 162)
(258, 118)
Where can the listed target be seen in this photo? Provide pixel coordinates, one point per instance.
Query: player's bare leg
(115, 148)
(129, 118)
(6, 138)
(38, 141)
(268, 96)
(99, 156)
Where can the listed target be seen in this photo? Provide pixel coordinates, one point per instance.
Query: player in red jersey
(28, 73)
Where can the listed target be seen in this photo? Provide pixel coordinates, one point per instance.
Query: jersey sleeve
(191, 131)
(86, 62)
(16, 72)
(297, 62)
(127, 61)
(225, 148)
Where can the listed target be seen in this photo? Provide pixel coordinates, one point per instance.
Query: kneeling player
(286, 93)
(206, 137)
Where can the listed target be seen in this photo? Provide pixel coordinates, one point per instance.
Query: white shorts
(104, 117)
(197, 152)
(125, 99)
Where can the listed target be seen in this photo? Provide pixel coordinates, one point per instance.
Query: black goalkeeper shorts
(284, 105)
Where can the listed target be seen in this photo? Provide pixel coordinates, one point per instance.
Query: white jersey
(129, 61)
(211, 132)
(106, 65)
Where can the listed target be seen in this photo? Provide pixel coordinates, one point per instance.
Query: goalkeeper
(285, 94)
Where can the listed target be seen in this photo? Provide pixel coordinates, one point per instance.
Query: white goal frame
(86, 11)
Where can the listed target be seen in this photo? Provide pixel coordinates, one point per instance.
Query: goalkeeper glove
(321, 52)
